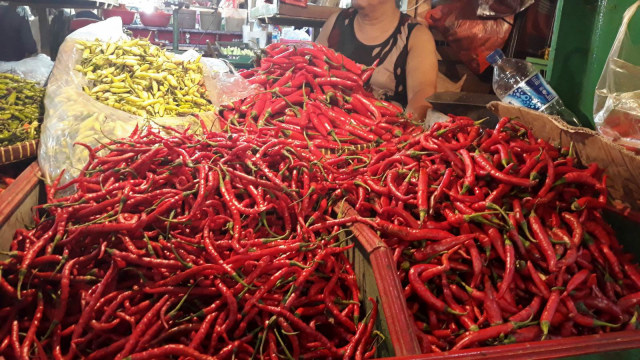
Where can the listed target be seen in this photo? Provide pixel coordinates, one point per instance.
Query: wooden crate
(16, 203)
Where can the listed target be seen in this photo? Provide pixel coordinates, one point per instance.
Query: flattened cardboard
(621, 166)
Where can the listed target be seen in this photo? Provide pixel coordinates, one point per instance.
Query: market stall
(180, 208)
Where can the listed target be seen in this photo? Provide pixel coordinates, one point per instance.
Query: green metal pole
(176, 30)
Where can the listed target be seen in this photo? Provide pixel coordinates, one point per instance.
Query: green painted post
(583, 33)
(176, 30)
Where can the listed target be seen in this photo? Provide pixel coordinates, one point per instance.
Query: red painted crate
(16, 203)
(371, 256)
(618, 163)
(548, 349)
(372, 263)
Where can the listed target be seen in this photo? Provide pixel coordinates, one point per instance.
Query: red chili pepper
(283, 80)
(578, 177)
(367, 74)
(628, 301)
(423, 193)
(591, 322)
(540, 233)
(444, 183)
(549, 311)
(316, 71)
(409, 234)
(493, 311)
(575, 281)
(509, 267)
(346, 75)
(548, 183)
(422, 291)
(391, 178)
(540, 284)
(498, 175)
(603, 304)
(335, 82)
(528, 312)
(371, 108)
(474, 337)
(633, 273)
(440, 246)
(527, 334)
(322, 126)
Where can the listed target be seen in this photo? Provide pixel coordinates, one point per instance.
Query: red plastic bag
(301, 3)
(471, 37)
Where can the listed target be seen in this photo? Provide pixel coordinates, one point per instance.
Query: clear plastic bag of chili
(616, 108)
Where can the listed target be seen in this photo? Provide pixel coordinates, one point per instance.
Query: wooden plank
(195, 31)
(17, 201)
(310, 12)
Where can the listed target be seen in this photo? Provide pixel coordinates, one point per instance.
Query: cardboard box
(621, 166)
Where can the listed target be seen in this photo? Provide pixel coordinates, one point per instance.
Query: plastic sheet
(36, 68)
(234, 18)
(501, 8)
(616, 107)
(472, 38)
(71, 116)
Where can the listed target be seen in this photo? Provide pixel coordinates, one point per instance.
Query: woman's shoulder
(421, 37)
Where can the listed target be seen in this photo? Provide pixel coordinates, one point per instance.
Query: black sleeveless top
(389, 81)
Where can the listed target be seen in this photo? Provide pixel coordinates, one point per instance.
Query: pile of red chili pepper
(227, 243)
(498, 236)
(210, 246)
(316, 95)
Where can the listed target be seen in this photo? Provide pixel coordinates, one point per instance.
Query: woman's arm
(422, 71)
(323, 37)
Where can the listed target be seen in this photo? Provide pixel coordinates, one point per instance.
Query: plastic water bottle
(275, 35)
(517, 82)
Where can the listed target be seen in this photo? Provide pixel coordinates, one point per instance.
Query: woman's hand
(422, 71)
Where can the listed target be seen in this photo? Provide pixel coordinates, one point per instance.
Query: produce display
(234, 50)
(143, 79)
(187, 246)
(498, 236)
(232, 244)
(20, 109)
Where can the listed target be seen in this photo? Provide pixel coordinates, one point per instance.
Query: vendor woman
(376, 30)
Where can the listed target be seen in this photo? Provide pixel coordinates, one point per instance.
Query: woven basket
(19, 151)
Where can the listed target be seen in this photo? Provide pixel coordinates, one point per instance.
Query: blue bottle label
(533, 93)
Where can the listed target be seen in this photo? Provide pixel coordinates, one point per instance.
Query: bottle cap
(495, 56)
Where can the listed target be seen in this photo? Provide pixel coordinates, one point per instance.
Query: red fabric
(471, 37)
(301, 3)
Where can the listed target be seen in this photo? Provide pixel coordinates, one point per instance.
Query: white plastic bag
(616, 107)
(36, 68)
(234, 18)
(501, 8)
(72, 116)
